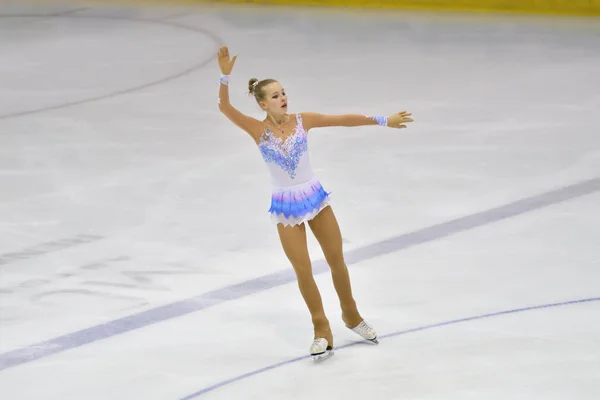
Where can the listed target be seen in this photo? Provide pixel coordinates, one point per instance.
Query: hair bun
(252, 85)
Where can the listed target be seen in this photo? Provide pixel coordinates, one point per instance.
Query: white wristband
(224, 79)
(381, 121)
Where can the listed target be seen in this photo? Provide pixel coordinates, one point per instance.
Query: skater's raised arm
(248, 124)
(316, 120)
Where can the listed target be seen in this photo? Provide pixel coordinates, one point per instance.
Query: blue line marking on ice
(390, 335)
(260, 284)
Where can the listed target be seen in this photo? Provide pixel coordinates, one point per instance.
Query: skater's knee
(336, 262)
(334, 255)
(300, 261)
(303, 269)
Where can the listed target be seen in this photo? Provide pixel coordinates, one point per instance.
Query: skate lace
(318, 343)
(364, 328)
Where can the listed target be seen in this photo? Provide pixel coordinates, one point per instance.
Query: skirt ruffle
(297, 204)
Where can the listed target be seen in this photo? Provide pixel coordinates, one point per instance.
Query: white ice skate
(366, 331)
(320, 350)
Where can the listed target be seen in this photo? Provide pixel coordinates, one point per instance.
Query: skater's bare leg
(327, 231)
(293, 240)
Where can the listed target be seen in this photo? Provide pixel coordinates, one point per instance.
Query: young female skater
(298, 196)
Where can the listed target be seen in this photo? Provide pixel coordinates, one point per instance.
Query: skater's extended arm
(248, 124)
(316, 120)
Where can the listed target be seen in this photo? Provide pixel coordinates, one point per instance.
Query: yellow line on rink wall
(557, 7)
(572, 7)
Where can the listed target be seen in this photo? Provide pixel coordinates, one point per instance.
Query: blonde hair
(257, 88)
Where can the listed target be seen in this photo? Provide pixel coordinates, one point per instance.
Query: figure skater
(298, 196)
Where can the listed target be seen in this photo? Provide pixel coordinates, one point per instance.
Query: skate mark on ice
(216, 40)
(389, 335)
(266, 282)
(45, 248)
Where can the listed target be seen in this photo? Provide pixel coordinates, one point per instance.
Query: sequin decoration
(284, 152)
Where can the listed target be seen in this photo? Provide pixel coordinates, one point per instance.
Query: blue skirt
(297, 204)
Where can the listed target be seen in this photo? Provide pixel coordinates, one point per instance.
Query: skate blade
(323, 356)
(375, 340)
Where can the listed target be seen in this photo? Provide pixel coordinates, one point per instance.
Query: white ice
(109, 128)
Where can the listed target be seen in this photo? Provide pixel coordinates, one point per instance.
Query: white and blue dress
(297, 193)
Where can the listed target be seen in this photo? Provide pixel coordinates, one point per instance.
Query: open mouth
(284, 105)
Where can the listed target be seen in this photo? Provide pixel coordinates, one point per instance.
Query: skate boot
(366, 331)
(320, 350)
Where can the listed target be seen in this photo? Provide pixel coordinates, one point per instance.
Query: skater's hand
(225, 63)
(399, 119)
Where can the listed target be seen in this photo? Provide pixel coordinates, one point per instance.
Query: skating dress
(297, 193)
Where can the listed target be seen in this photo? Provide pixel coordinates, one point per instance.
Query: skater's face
(275, 101)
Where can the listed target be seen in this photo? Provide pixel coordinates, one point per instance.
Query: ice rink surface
(137, 258)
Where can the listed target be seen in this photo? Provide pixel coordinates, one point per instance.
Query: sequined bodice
(287, 157)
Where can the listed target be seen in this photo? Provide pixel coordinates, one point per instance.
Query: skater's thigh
(293, 240)
(327, 232)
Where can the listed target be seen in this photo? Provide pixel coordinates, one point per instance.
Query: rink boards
(557, 7)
